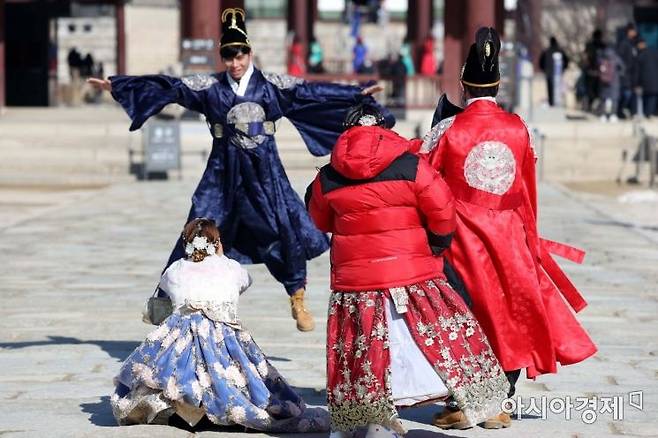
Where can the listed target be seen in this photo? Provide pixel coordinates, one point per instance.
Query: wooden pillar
(479, 13)
(462, 18)
(202, 19)
(300, 20)
(121, 37)
(313, 15)
(500, 17)
(2, 54)
(453, 47)
(420, 15)
(232, 4)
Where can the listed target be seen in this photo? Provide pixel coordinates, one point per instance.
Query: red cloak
(485, 156)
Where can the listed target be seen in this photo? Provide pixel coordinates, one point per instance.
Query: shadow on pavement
(312, 396)
(101, 412)
(116, 349)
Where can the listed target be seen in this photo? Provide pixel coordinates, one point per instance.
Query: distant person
(611, 69)
(647, 77)
(548, 63)
(360, 53)
(87, 66)
(593, 51)
(627, 51)
(74, 60)
(315, 58)
(296, 61)
(428, 64)
(407, 60)
(399, 75)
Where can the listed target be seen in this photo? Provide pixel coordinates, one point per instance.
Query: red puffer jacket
(390, 213)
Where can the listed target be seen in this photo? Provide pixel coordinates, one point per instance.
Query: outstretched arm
(144, 96)
(318, 109)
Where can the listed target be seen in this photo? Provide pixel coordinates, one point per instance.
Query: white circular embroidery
(490, 167)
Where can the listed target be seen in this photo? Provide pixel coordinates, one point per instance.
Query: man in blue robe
(244, 188)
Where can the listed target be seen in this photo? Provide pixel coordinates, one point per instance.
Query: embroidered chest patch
(490, 166)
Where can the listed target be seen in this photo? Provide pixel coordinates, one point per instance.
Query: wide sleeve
(436, 203)
(318, 207)
(169, 282)
(144, 96)
(242, 275)
(318, 109)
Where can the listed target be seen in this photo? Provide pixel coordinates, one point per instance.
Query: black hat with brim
(234, 29)
(482, 68)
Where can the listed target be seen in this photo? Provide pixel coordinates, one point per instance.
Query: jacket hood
(363, 152)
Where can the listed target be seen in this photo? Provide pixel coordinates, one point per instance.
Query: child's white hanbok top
(212, 285)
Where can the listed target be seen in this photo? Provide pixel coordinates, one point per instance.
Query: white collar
(475, 99)
(240, 88)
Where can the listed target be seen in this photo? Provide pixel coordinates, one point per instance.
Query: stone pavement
(74, 276)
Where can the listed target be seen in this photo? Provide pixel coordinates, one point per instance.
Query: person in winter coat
(627, 51)
(391, 311)
(647, 77)
(611, 69)
(548, 64)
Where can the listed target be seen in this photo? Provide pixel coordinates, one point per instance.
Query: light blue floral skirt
(194, 367)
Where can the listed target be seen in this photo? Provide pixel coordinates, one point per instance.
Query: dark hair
(202, 227)
(230, 52)
(481, 91)
(354, 115)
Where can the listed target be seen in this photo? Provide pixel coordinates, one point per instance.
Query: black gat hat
(234, 29)
(482, 68)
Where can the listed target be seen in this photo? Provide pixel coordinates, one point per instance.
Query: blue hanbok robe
(244, 188)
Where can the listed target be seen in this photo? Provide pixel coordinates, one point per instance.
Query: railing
(410, 92)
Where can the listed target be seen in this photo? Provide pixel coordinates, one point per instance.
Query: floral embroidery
(151, 391)
(172, 391)
(241, 115)
(238, 414)
(199, 81)
(262, 368)
(490, 166)
(358, 375)
(234, 375)
(432, 138)
(283, 81)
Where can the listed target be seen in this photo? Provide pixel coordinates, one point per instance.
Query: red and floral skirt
(359, 362)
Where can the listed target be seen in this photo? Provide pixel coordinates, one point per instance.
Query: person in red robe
(428, 65)
(297, 58)
(520, 295)
(397, 333)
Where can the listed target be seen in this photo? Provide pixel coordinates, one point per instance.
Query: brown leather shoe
(450, 419)
(500, 421)
(303, 317)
